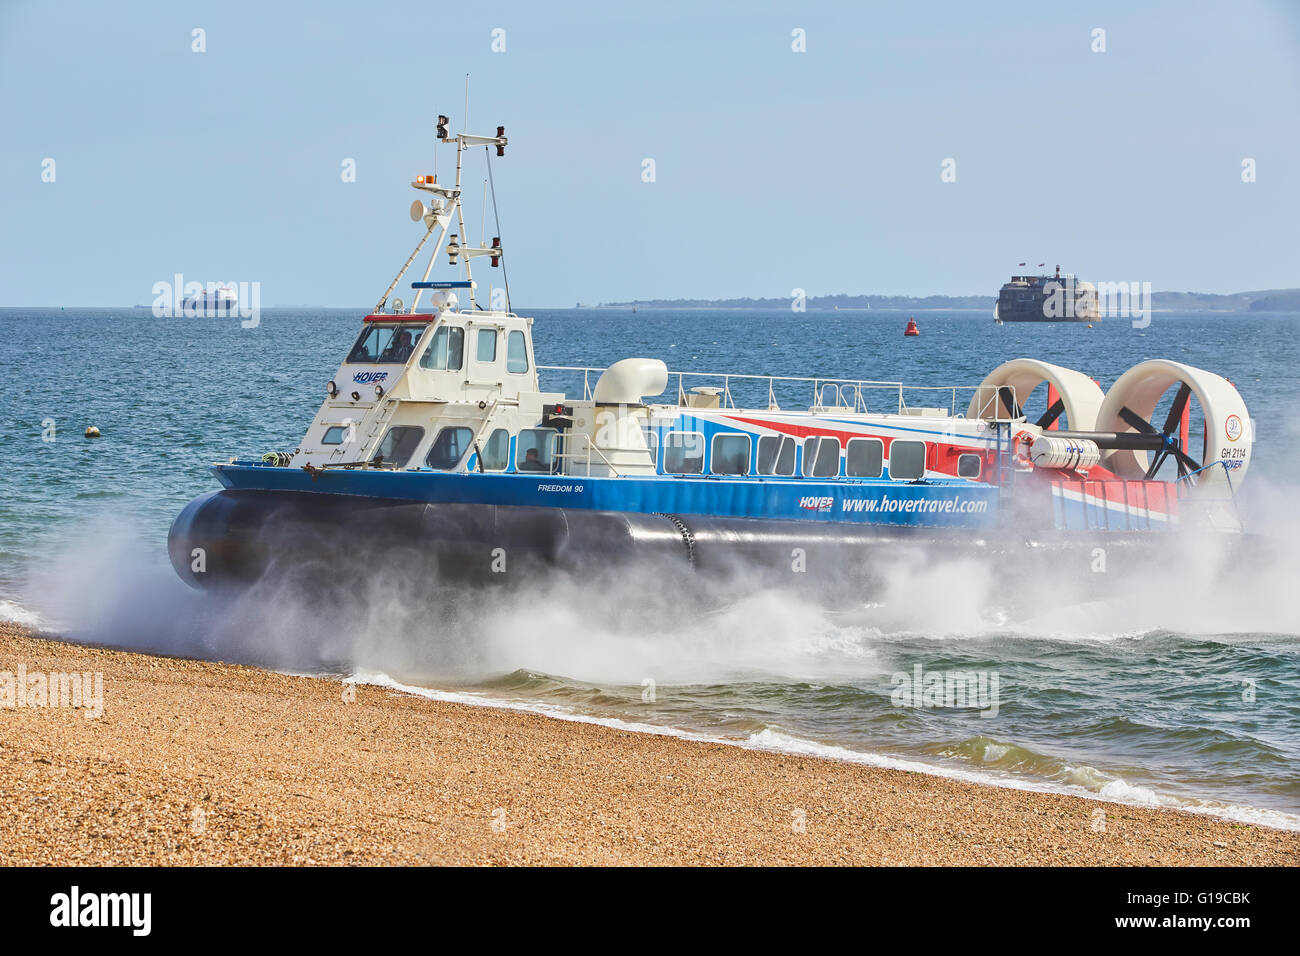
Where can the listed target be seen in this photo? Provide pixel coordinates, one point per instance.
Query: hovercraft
(437, 450)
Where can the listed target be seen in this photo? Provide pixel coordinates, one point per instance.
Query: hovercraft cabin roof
(401, 317)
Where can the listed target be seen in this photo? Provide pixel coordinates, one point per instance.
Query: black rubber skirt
(234, 538)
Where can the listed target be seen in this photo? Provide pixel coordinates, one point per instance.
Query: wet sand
(204, 763)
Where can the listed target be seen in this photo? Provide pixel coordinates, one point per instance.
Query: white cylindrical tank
(1066, 453)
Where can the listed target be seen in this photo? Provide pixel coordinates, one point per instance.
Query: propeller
(1172, 445)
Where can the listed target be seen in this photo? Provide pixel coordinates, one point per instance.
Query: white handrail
(848, 393)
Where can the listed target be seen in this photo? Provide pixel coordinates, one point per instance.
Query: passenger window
(446, 350)
(684, 453)
(398, 445)
(730, 455)
(516, 353)
(864, 458)
(334, 435)
(449, 448)
(968, 466)
(487, 345)
(907, 460)
(776, 455)
(821, 457)
(534, 449)
(495, 453)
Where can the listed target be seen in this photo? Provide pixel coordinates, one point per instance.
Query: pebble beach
(204, 763)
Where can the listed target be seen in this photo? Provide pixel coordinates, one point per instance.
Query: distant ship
(219, 301)
(1044, 298)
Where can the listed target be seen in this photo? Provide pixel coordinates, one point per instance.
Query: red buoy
(911, 327)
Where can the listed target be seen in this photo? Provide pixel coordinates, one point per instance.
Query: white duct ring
(1229, 431)
(1080, 395)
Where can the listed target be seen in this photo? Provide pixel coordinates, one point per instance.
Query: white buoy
(92, 432)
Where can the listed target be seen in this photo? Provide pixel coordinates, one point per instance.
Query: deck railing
(775, 392)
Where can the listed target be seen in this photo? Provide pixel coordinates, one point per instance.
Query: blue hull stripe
(930, 504)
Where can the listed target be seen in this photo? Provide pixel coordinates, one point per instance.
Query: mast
(438, 214)
(460, 211)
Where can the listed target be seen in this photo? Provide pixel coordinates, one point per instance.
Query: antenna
(446, 205)
(460, 206)
(505, 276)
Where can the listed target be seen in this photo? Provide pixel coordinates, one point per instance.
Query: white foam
(995, 752)
(776, 741)
(9, 611)
(1120, 791)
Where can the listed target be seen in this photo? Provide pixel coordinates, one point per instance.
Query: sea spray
(1130, 679)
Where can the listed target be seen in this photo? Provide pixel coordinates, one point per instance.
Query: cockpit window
(516, 353)
(495, 453)
(449, 448)
(534, 448)
(398, 445)
(446, 349)
(386, 343)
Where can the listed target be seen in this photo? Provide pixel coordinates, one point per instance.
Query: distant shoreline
(884, 309)
(783, 307)
(1266, 300)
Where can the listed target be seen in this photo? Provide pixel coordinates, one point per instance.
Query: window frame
(749, 452)
(839, 451)
(506, 461)
(417, 329)
(880, 470)
(428, 349)
(704, 447)
(925, 454)
(979, 465)
(783, 442)
(549, 469)
(478, 345)
(407, 460)
(469, 447)
(341, 429)
(510, 362)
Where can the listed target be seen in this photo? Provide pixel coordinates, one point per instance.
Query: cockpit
(386, 343)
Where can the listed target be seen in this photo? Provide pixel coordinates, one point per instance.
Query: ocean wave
(1084, 782)
(10, 611)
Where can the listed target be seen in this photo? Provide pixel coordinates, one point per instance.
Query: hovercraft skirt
(233, 538)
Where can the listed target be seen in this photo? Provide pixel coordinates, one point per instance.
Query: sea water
(1180, 688)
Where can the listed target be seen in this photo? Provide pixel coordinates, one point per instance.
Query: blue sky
(774, 169)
